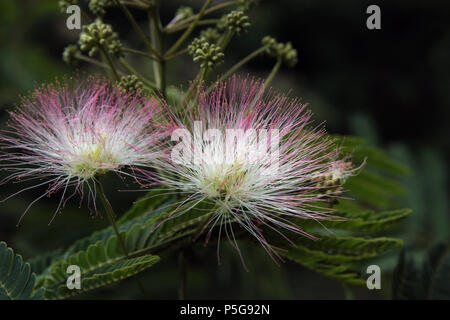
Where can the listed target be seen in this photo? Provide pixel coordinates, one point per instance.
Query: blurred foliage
(24, 60)
(431, 281)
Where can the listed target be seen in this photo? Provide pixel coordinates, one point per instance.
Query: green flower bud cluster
(328, 181)
(207, 54)
(245, 5)
(69, 53)
(222, 23)
(329, 186)
(237, 21)
(283, 51)
(211, 35)
(97, 7)
(331, 182)
(98, 35)
(183, 13)
(64, 4)
(130, 84)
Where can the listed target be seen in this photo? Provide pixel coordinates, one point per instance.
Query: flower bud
(246, 5)
(64, 4)
(283, 51)
(130, 84)
(211, 35)
(69, 53)
(237, 21)
(98, 34)
(183, 13)
(97, 7)
(207, 54)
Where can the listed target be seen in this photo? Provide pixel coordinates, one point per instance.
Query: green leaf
(379, 159)
(360, 221)
(377, 185)
(42, 261)
(319, 262)
(150, 230)
(141, 235)
(146, 221)
(374, 189)
(352, 247)
(334, 256)
(376, 158)
(16, 279)
(152, 201)
(100, 265)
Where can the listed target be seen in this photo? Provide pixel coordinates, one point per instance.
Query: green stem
(110, 63)
(156, 33)
(201, 226)
(85, 16)
(189, 30)
(268, 80)
(111, 217)
(110, 213)
(136, 28)
(154, 248)
(186, 238)
(137, 74)
(138, 52)
(202, 74)
(94, 62)
(179, 53)
(135, 5)
(194, 92)
(225, 39)
(241, 63)
(184, 26)
(208, 11)
(272, 74)
(183, 275)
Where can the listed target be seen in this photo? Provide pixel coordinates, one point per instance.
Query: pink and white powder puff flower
(254, 157)
(66, 134)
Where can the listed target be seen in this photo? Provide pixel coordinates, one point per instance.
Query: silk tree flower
(67, 134)
(254, 157)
